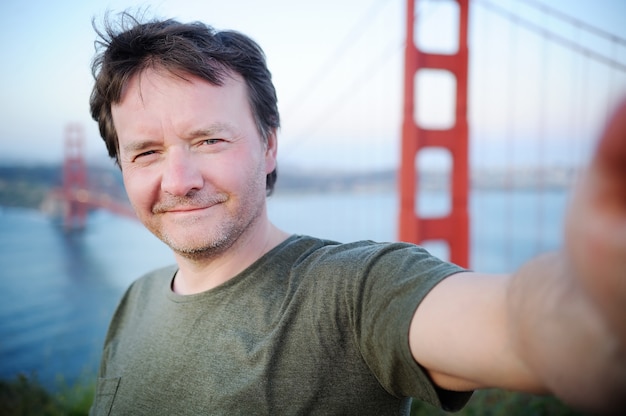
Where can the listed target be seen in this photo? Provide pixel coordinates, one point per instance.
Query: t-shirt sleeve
(393, 280)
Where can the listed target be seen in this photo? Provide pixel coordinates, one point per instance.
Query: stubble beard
(222, 238)
(235, 222)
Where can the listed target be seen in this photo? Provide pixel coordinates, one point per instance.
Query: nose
(181, 175)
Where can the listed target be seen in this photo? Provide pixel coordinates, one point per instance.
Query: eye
(144, 155)
(211, 141)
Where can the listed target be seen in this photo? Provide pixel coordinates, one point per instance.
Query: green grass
(495, 402)
(25, 396)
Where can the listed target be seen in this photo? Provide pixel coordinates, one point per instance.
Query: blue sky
(337, 66)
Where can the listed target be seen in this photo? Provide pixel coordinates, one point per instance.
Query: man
(254, 320)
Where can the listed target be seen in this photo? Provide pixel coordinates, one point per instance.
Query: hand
(596, 227)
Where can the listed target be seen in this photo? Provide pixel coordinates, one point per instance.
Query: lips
(188, 209)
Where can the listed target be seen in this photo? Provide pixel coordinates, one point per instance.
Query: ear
(271, 151)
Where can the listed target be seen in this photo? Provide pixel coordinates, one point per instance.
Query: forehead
(157, 80)
(155, 97)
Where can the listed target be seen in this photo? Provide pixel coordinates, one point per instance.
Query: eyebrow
(139, 146)
(211, 130)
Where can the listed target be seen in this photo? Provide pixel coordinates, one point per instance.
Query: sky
(337, 67)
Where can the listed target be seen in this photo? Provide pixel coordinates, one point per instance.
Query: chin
(198, 249)
(198, 254)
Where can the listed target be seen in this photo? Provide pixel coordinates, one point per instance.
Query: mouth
(176, 207)
(189, 209)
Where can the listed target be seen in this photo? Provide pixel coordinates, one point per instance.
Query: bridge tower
(74, 178)
(452, 228)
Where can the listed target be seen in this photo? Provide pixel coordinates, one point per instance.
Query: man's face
(193, 163)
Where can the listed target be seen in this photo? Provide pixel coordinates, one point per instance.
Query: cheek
(238, 169)
(139, 189)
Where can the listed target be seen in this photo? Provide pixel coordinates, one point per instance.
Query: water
(58, 291)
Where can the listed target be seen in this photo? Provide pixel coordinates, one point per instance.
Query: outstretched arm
(558, 325)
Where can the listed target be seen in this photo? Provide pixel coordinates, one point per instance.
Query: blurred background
(543, 78)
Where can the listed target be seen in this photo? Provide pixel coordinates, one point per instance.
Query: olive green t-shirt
(312, 327)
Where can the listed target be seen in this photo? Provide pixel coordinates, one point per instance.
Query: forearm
(563, 338)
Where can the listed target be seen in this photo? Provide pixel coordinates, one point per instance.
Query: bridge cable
(575, 22)
(355, 33)
(357, 83)
(590, 53)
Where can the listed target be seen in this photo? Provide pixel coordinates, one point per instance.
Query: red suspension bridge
(77, 196)
(71, 202)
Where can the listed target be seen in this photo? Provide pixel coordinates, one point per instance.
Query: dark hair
(130, 47)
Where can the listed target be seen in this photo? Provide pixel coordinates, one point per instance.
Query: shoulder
(361, 264)
(141, 293)
(158, 280)
(400, 256)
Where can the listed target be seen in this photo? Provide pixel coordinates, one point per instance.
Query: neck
(200, 275)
